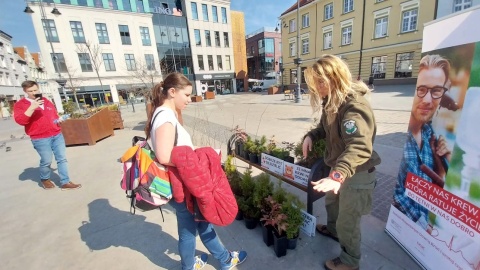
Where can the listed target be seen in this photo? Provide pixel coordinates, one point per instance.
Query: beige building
(382, 38)
(239, 48)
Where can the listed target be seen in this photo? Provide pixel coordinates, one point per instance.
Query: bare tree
(73, 82)
(94, 51)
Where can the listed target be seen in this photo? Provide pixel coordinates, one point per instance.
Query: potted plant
(197, 99)
(234, 180)
(270, 218)
(292, 210)
(249, 143)
(289, 147)
(263, 189)
(274, 218)
(115, 116)
(261, 148)
(237, 140)
(317, 152)
(251, 213)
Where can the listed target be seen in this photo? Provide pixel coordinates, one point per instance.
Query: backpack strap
(176, 131)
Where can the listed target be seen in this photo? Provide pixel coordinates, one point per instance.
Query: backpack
(145, 181)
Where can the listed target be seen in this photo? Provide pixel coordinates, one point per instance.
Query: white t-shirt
(168, 115)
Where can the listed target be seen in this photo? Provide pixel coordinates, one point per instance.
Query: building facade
(239, 49)
(447, 7)
(381, 38)
(264, 54)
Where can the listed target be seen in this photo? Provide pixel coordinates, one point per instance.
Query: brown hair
(436, 61)
(28, 84)
(159, 93)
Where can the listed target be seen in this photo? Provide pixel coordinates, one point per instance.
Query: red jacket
(40, 125)
(199, 174)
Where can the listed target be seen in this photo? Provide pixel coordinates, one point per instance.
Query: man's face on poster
(429, 80)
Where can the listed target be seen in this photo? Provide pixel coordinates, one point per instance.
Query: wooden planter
(273, 90)
(209, 95)
(196, 98)
(89, 130)
(116, 118)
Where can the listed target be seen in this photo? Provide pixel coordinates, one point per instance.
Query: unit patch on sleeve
(350, 127)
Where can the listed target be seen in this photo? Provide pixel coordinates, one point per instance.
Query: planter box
(196, 98)
(273, 90)
(209, 95)
(89, 130)
(116, 118)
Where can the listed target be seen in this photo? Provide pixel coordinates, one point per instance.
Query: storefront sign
(162, 10)
(216, 76)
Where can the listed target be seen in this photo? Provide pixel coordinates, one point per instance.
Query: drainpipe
(361, 42)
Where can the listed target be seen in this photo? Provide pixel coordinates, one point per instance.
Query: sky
(18, 24)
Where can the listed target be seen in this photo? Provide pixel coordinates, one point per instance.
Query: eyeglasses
(436, 92)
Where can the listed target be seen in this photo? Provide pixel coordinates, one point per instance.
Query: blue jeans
(187, 233)
(48, 147)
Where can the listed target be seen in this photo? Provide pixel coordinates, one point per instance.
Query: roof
(20, 51)
(294, 6)
(36, 58)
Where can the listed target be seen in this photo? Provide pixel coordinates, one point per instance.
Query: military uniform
(349, 150)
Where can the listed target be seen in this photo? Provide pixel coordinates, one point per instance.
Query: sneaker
(200, 261)
(337, 264)
(70, 186)
(48, 184)
(237, 257)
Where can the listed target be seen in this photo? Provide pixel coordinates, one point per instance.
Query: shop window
(403, 65)
(379, 66)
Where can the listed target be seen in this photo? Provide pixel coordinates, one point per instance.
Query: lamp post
(297, 60)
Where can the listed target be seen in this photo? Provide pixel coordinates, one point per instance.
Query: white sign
(162, 10)
(300, 175)
(207, 76)
(309, 223)
(272, 164)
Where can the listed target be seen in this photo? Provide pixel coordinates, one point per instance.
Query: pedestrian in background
(348, 125)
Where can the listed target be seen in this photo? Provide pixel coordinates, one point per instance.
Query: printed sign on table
(272, 164)
(309, 223)
(288, 170)
(300, 175)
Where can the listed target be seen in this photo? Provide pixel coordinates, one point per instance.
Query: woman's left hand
(326, 184)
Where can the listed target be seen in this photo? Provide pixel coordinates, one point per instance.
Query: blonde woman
(348, 125)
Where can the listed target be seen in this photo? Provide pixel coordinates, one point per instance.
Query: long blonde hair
(334, 74)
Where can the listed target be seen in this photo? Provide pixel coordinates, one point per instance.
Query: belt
(371, 170)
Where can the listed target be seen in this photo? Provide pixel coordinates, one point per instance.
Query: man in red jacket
(40, 119)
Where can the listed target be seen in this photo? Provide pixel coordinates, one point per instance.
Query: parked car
(263, 85)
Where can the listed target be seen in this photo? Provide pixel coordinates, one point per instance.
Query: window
(327, 40)
(219, 62)
(140, 6)
(208, 41)
(461, 4)
(293, 76)
(217, 38)
(144, 33)
(214, 14)
(409, 20)
(205, 12)
(292, 48)
(50, 30)
(198, 40)
(194, 11)
(85, 62)
(305, 46)
(292, 26)
(252, 49)
(227, 62)
(226, 43)
(328, 12)
(210, 62)
(59, 62)
(403, 65)
(224, 15)
(108, 61)
(130, 62)
(381, 27)
(126, 5)
(150, 61)
(82, 3)
(102, 33)
(125, 35)
(200, 62)
(347, 6)
(379, 66)
(77, 31)
(113, 4)
(65, 2)
(305, 20)
(346, 35)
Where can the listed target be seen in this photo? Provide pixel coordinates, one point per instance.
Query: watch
(337, 176)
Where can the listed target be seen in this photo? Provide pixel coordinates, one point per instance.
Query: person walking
(168, 97)
(348, 125)
(40, 119)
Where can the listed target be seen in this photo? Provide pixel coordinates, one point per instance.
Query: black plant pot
(280, 244)
(289, 159)
(253, 158)
(267, 232)
(238, 148)
(245, 154)
(259, 159)
(250, 223)
(292, 243)
(239, 215)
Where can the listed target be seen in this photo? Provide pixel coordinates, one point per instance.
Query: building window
(217, 38)
(198, 39)
(293, 76)
(126, 5)
(50, 30)
(305, 20)
(102, 33)
(113, 4)
(77, 31)
(219, 62)
(228, 65)
(224, 15)
(150, 62)
(305, 46)
(208, 41)
(381, 27)
(226, 43)
(85, 62)
(194, 11)
(409, 20)
(82, 3)
(346, 35)
(292, 49)
(140, 6)
(403, 65)
(205, 12)
(108, 61)
(461, 4)
(125, 35)
(200, 62)
(214, 14)
(144, 33)
(210, 62)
(59, 62)
(379, 66)
(327, 40)
(65, 2)
(328, 11)
(130, 62)
(347, 6)
(292, 26)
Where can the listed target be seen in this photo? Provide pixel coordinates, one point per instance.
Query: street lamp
(297, 60)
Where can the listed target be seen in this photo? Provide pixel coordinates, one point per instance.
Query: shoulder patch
(350, 127)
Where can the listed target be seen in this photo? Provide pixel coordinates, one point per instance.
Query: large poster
(435, 214)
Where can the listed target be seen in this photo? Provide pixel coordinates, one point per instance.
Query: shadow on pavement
(395, 139)
(304, 119)
(140, 126)
(405, 90)
(33, 174)
(109, 227)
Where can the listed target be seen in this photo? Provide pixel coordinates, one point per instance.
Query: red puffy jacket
(199, 174)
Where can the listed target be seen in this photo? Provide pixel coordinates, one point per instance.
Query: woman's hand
(326, 184)
(307, 146)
